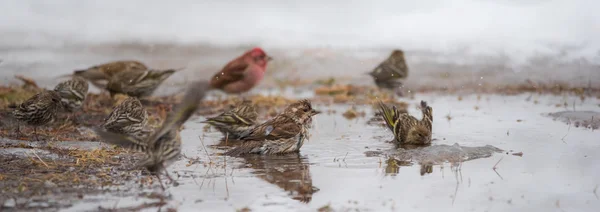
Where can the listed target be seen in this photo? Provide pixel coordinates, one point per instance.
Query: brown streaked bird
(235, 122)
(137, 83)
(100, 74)
(163, 147)
(128, 118)
(389, 73)
(406, 128)
(72, 93)
(285, 133)
(243, 73)
(39, 110)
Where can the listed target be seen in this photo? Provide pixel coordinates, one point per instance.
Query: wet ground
(542, 165)
(492, 152)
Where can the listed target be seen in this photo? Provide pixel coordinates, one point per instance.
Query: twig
(568, 130)
(207, 155)
(595, 190)
(495, 167)
(204, 147)
(40, 159)
(592, 124)
(226, 185)
(456, 189)
(345, 157)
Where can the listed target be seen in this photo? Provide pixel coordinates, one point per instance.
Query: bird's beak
(314, 112)
(269, 58)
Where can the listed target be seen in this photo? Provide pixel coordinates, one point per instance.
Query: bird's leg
(35, 135)
(175, 183)
(75, 120)
(160, 181)
(19, 134)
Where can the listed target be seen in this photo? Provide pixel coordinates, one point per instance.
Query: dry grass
(69, 170)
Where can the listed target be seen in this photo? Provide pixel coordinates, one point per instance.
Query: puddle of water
(587, 119)
(559, 167)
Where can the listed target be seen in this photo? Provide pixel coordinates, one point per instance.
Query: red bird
(243, 73)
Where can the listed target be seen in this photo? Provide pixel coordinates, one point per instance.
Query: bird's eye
(305, 109)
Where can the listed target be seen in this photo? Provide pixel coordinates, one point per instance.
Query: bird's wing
(183, 110)
(246, 148)
(246, 111)
(120, 140)
(277, 128)
(233, 71)
(390, 115)
(229, 118)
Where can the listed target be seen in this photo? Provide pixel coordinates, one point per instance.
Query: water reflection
(393, 165)
(290, 172)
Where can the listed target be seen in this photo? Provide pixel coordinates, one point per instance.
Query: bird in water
(72, 93)
(235, 122)
(389, 73)
(163, 147)
(128, 118)
(285, 133)
(243, 73)
(137, 83)
(406, 128)
(39, 110)
(100, 74)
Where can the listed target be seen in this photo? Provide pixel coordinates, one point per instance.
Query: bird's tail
(390, 115)
(65, 76)
(427, 114)
(120, 140)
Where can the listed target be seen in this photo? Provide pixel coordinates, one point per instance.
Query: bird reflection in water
(392, 167)
(291, 172)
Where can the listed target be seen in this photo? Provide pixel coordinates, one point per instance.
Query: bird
(389, 73)
(243, 73)
(285, 133)
(128, 118)
(39, 110)
(163, 147)
(137, 83)
(406, 128)
(72, 93)
(235, 122)
(100, 74)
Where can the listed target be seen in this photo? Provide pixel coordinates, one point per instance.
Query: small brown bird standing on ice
(39, 110)
(163, 147)
(100, 74)
(243, 73)
(284, 133)
(406, 128)
(236, 122)
(128, 118)
(137, 83)
(389, 73)
(72, 93)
